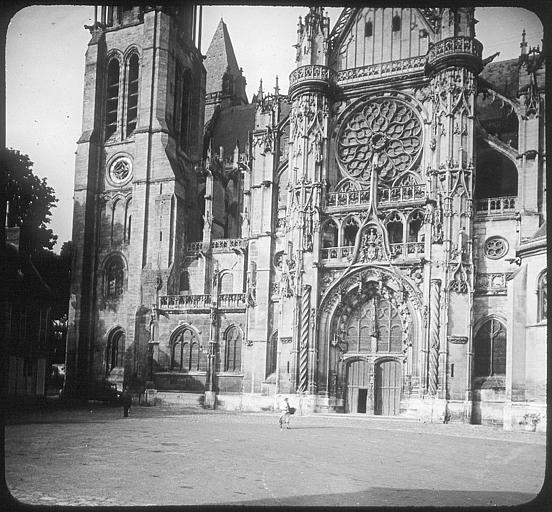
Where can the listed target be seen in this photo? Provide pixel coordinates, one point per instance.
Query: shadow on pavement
(380, 496)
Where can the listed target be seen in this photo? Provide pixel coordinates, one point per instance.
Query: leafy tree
(30, 201)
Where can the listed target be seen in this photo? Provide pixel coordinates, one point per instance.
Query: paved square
(164, 456)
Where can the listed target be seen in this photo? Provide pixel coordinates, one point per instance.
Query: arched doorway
(115, 350)
(371, 316)
(387, 387)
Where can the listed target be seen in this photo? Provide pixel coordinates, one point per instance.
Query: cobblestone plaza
(172, 456)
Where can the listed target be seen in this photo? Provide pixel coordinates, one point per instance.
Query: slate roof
(218, 58)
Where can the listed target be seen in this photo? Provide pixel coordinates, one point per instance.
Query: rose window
(120, 170)
(495, 247)
(385, 127)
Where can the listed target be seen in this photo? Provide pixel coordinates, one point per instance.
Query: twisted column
(304, 338)
(435, 294)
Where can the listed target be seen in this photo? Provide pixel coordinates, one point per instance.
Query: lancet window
(114, 277)
(490, 349)
(112, 97)
(115, 350)
(232, 353)
(350, 230)
(541, 298)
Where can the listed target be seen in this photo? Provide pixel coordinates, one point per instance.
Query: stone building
(372, 242)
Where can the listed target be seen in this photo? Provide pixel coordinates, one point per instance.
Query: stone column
(304, 338)
(433, 370)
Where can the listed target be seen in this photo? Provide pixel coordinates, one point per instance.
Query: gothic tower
(135, 186)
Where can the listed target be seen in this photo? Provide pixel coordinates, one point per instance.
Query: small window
(368, 29)
(114, 277)
(184, 281)
(396, 23)
(112, 98)
(541, 298)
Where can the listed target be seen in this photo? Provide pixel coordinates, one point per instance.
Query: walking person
(126, 401)
(286, 414)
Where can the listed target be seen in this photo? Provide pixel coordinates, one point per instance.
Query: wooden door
(388, 388)
(358, 376)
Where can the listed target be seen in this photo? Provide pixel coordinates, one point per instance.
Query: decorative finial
(276, 87)
(523, 44)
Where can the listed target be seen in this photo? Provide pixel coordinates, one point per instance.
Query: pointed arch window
(415, 223)
(112, 97)
(271, 354)
(395, 228)
(542, 305)
(227, 283)
(115, 350)
(490, 349)
(186, 353)
(232, 355)
(128, 221)
(350, 231)
(114, 277)
(132, 94)
(330, 235)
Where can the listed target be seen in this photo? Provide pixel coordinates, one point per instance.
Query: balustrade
(381, 70)
(338, 254)
(407, 250)
(183, 302)
(496, 205)
(227, 244)
(385, 195)
(219, 245)
(232, 301)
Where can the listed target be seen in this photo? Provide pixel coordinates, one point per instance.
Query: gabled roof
(219, 57)
(430, 17)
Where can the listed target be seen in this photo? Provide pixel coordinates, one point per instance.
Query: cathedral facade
(373, 241)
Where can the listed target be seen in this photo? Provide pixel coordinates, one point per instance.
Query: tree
(30, 201)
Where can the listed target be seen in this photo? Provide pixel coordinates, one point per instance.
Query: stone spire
(222, 67)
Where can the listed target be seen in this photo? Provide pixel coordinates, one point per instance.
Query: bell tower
(135, 183)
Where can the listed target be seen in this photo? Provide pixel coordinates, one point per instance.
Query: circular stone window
(120, 171)
(385, 132)
(496, 247)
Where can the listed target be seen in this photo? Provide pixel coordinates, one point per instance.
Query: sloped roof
(218, 58)
(503, 76)
(233, 124)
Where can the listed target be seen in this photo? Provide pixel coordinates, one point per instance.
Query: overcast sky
(44, 88)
